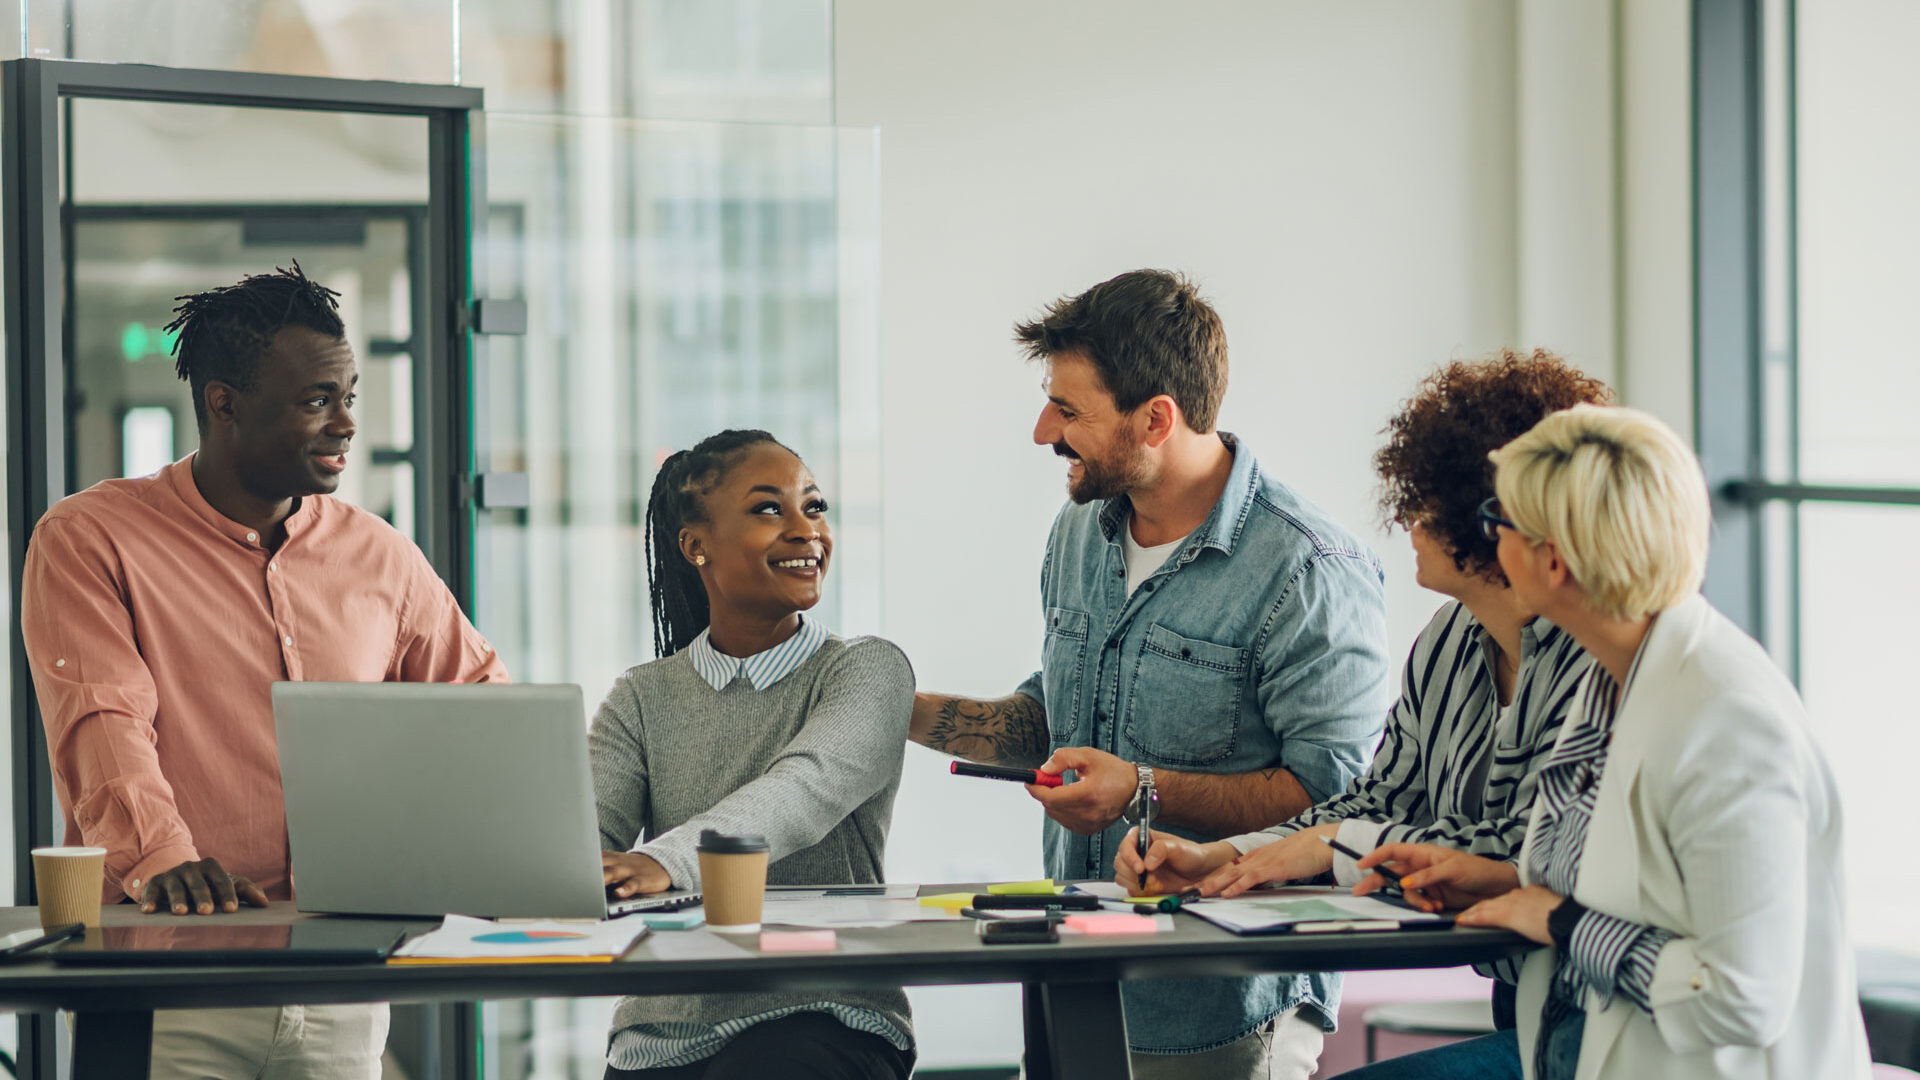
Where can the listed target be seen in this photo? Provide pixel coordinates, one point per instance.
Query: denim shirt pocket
(1177, 679)
(1064, 650)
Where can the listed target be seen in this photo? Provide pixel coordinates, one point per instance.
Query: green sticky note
(1043, 887)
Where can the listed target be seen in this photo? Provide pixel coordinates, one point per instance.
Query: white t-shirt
(1143, 561)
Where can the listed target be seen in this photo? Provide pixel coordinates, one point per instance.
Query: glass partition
(767, 61)
(399, 40)
(680, 278)
(345, 196)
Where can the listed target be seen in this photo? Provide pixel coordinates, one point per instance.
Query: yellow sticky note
(1043, 887)
(952, 901)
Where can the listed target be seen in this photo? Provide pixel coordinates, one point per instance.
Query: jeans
(1286, 1047)
(1489, 1057)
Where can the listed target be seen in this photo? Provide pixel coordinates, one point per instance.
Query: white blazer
(1716, 819)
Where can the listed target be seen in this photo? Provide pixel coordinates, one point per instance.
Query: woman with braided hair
(755, 719)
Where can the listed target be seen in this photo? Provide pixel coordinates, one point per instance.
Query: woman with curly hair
(1485, 689)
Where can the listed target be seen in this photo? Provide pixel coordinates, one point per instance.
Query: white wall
(1343, 180)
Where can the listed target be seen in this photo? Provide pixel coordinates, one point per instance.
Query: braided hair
(221, 334)
(679, 598)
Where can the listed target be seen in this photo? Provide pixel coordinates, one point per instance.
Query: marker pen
(997, 772)
(1393, 879)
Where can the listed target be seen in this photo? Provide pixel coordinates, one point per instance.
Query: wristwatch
(1145, 798)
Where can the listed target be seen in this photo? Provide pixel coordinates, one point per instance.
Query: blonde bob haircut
(1621, 497)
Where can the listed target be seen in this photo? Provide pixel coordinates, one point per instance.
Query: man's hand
(1290, 858)
(199, 888)
(1523, 911)
(1173, 864)
(1435, 877)
(1095, 800)
(631, 873)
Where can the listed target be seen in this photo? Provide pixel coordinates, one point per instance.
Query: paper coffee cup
(733, 881)
(68, 881)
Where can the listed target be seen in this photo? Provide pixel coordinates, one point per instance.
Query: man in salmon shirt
(159, 611)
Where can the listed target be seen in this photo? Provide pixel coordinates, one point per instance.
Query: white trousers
(293, 1042)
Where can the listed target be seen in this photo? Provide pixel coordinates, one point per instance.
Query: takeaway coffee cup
(68, 882)
(733, 880)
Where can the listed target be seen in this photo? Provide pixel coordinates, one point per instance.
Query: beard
(1119, 469)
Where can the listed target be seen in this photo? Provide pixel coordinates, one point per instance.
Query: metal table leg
(112, 1045)
(1076, 1031)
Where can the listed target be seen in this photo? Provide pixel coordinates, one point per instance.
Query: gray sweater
(812, 763)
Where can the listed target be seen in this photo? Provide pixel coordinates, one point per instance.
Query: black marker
(1393, 879)
(997, 772)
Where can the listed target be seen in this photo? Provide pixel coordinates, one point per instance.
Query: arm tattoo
(1007, 731)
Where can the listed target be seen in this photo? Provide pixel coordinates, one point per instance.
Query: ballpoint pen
(1146, 806)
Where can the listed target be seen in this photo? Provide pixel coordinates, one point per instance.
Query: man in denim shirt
(1206, 629)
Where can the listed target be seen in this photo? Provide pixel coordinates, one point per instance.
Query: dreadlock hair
(222, 333)
(679, 598)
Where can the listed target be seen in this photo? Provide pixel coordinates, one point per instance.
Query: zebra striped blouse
(1455, 768)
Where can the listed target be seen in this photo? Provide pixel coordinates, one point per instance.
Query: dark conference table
(1074, 1026)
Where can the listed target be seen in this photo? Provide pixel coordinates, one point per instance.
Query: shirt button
(289, 642)
(62, 662)
(1699, 982)
(273, 566)
(253, 537)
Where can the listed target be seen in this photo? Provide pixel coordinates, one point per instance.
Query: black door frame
(31, 212)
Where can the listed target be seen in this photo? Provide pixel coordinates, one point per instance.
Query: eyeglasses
(1490, 519)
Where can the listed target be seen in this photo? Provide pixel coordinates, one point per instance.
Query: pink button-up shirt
(155, 628)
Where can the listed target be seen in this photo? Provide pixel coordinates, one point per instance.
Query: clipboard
(1314, 910)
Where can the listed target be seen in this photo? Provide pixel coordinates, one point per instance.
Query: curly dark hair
(1434, 469)
(221, 334)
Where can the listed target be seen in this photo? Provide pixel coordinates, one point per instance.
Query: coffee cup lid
(713, 842)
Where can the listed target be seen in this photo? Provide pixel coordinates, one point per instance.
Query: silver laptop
(428, 799)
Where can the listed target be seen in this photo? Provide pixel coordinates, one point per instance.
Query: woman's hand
(1172, 864)
(1301, 855)
(1435, 877)
(630, 873)
(1523, 911)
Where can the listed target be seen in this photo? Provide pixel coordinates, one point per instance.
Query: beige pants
(1285, 1048)
(296, 1042)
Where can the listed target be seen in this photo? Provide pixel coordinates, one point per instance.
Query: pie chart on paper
(528, 937)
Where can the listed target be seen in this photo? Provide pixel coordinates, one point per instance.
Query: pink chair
(1892, 1072)
(1346, 1048)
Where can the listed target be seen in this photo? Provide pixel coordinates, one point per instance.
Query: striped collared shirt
(763, 669)
(1606, 954)
(659, 1046)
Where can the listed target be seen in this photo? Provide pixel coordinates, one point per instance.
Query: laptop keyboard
(617, 908)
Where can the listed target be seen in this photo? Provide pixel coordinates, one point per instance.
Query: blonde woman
(1683, 855)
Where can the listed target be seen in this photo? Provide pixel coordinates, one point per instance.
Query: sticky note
(798, 941)
(1112, 922)
(1043, 887)
(952, 901)
(673, 920)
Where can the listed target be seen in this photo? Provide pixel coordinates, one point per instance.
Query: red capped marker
(997, 772)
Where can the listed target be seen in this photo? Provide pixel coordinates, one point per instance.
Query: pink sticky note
(1112, 922)
(798, 941)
